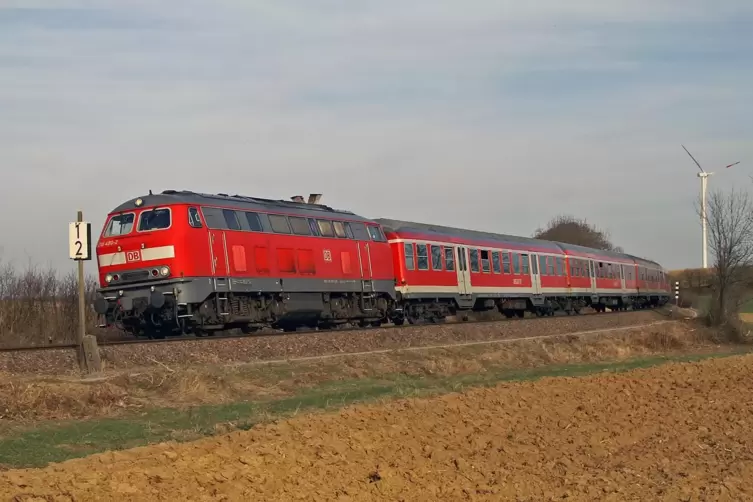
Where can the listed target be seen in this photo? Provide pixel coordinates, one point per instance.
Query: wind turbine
(704, 177)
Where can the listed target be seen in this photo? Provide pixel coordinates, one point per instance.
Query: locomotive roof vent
(297, 198)
(314, 198)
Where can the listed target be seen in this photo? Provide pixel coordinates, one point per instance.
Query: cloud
(491, 115)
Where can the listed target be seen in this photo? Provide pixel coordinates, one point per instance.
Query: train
(181, 262)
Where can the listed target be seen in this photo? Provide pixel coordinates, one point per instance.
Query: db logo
(132, 256)
(327, 255)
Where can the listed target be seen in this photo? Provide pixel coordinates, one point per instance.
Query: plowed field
(675, 432)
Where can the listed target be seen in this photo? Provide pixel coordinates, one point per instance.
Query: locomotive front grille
(137, 275)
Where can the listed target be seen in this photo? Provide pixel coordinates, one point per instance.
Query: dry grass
(35, 398)
(40, 307)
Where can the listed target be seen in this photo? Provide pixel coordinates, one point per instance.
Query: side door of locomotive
(464, 275)
(218, 254)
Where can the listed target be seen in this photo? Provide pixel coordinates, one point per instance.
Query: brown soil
(676, 432)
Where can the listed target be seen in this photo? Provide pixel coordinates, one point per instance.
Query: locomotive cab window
(376, 234)
(193, 217)
(422, 254)
(410, 260)
(154, 219)
(120, 224)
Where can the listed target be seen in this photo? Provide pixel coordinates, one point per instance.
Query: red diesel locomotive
(180, 262)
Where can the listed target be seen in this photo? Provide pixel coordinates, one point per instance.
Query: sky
(493, 115)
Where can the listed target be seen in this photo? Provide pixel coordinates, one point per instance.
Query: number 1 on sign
(79, 240)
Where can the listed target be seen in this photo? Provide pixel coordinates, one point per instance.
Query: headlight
(108, 278)
(164, 271)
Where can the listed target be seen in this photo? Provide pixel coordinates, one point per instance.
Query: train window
(231, 219)
(505, 262)
(436, 258)
(325, 228)
(154, 219)
(474, 260)
(542, 265)
(485, 261)
(299, 225)
(524, 264)
(193, 217)
(279, 223)
(560, 267)
(496, 266)
(348, 230)
(410, 261)
(516, 263)
(254, 222)
(339, 229)
(421, 253)
(449, 258)
(312, 227)
(550, 265)
(359, 231)
(376, 234)
(213, 218)
(120, 224)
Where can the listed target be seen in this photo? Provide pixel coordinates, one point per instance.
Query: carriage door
(622, 278)
(592, 272)
(218, 255)
(535, 275)
(464, 276)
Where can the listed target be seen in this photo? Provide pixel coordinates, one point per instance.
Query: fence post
(80, 250)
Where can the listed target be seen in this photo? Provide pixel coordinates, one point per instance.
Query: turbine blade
(696, 162)
(733, 164)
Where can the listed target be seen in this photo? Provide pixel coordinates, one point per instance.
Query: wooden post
(79, 237)
(81, 306)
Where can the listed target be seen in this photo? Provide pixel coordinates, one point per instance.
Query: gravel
(257, 348)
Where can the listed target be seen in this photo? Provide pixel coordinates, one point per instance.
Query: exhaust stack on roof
(314, 198)
(297, 198)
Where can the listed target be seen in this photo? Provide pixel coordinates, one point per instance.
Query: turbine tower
(704, 183)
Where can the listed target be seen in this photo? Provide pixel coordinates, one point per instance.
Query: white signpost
(80, 250)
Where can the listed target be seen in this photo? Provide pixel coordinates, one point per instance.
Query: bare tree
(568, 229)
(729, 219)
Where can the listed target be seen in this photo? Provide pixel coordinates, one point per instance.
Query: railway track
(276, 334)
